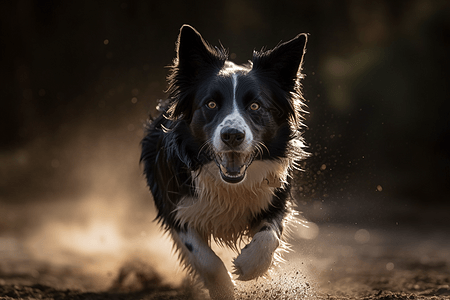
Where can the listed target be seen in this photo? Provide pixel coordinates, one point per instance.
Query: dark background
(78, 79)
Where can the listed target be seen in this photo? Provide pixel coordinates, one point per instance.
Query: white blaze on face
(234, 120)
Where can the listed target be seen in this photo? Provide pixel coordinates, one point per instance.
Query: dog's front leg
(205, 263)
(256, 257)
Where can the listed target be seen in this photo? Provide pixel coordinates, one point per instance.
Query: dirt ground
(328, 261)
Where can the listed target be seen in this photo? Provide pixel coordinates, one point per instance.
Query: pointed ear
(194, 53)
(195, 58)
(284, 62)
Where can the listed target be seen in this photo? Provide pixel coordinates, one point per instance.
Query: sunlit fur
(222, 210)
(206, 188)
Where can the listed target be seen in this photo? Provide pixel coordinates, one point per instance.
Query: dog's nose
(232, 137)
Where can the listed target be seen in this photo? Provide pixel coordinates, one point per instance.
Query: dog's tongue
(233, 163)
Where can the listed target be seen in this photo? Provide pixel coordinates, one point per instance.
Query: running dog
(219, 157)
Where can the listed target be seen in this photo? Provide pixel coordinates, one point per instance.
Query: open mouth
(233, 165)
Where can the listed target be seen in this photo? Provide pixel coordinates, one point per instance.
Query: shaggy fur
(218, 159)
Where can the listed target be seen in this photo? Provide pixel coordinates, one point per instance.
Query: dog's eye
(254, 106)
(211, 105)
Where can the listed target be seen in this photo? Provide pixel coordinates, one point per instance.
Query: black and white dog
(218, 159)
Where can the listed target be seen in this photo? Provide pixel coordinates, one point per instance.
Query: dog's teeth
(242, 170)
(223, 169)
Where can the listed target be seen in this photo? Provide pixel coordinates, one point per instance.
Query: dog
(219, 158)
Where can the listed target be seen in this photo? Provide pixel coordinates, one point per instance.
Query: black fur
(178, 141)
(170, 152)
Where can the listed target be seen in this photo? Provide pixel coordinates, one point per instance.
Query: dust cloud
(97, 214)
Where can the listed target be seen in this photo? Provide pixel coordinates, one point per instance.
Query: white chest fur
(224, 210)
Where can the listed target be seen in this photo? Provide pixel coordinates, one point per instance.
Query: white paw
(256, 258)
(206, 264)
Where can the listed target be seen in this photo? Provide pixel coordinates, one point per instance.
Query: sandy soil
(327, 262)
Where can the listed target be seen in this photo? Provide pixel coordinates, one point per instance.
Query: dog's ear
(284, 62)
(194, 54)
(195, 60)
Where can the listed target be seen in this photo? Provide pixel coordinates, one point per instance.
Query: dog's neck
(223, 210)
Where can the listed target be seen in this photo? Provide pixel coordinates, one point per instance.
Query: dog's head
(236, 114)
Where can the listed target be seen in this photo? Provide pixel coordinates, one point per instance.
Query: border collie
(219, 157)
